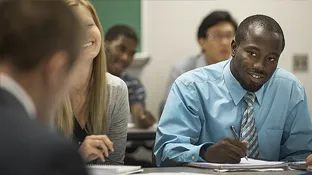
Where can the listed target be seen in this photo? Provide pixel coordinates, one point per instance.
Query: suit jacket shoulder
(29, 147)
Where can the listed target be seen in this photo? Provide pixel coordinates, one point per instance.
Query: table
(205, 171)
(140, 143)
(136, 134)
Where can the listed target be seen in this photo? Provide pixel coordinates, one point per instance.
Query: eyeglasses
(219, 37)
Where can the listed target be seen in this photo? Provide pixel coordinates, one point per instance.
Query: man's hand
(227, 150)
(143, 119)
(309, 160)
(146, 120)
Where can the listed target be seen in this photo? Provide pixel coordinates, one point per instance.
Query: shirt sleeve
(136, 92)
(297, 135)
(174, 74)
(179, 128)
(119, 120)
(64, 159)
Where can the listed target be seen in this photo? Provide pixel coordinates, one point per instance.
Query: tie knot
(250, 98)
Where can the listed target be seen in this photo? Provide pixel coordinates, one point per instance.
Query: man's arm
(66, 160)
(174, 74)
(141, 117)
(179, 128)
(297, 135)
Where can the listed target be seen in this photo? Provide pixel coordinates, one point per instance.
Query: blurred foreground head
(39, 46)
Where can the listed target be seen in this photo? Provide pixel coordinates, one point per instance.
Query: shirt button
(193, 157)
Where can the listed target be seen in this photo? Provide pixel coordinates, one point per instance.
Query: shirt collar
(234, 87)
(8, 84)
(123, 75)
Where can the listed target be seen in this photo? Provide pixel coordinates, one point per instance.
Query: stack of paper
(113, 169)
(182, 173)
(298, 165)
(244, 165)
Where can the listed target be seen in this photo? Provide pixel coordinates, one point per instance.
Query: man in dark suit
(39, 47)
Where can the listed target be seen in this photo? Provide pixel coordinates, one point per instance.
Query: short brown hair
(33, 30)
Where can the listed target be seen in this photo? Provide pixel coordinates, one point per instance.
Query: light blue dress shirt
(184, 65)
(205, 102)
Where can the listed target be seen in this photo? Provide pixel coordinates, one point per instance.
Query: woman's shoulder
(117, 97)
(116, 85)
(115, 82)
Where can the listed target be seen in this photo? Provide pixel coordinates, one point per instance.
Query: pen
(236, 137)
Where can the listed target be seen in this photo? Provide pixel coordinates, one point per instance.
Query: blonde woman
(96, 111)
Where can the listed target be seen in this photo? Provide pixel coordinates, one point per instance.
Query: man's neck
(16, 86)
(209, 60)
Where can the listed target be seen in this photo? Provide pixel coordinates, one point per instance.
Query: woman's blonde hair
(96, 101)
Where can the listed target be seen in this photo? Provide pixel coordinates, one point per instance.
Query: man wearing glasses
(214, 35)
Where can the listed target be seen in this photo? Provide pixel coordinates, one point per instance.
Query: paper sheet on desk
(244, 165)
(176, 174)
(113, 169)
(250, 170)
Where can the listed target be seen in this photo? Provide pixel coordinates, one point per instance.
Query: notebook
(301, 165)
(113, 169)
(243, 165)
(298, 165)
(182, 173)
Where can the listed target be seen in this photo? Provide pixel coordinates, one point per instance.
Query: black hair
(213, 19)
(266, 22)
(120, 30)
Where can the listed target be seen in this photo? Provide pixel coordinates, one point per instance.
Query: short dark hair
(213, 19)
(266, 22)
(120, 30)
(32, 30)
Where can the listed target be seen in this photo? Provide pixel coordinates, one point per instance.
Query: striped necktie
(248, 127)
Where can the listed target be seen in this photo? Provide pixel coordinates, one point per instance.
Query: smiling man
(266, 105)
(121, 44)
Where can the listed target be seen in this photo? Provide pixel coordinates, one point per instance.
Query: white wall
(169, 33)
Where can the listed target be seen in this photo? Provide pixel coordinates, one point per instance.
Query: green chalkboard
(112, 12)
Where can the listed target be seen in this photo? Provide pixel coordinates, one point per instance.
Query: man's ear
(54, 67)
(234, 47)
(201, 42)
(106, 44)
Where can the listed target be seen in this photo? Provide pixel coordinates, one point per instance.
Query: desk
(140, 144)
(205, 171)
(136, 134)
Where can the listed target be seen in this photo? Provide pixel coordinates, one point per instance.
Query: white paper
(115, 169)
(250, 170)
(182, 173)
(244, 164)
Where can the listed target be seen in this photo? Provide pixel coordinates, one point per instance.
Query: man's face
(256, 57)
(217, 44)
(120, 54)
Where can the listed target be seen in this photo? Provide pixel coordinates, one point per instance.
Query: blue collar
(237, 92)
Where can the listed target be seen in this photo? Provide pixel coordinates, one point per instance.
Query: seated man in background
(214, 36)
(266, 105)
(39, 46)
(121, 43)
